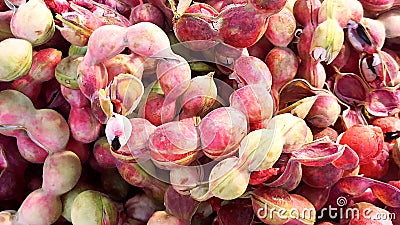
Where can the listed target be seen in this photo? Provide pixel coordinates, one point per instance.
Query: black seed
(370, 61)
(390, 136)
(363, 34)
(115, 143)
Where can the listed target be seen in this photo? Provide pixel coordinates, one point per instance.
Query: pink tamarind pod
(254, 101)
(61, 172)
(28, 149)
(147, 12)
(221, 131)
(197, 32)
(83, 124)
(45, 127)
(32, 211)
(104, 43)
(157, 110)
(122, 63)
(241, 25)
(148, 39)
(91, 78)
(283, 65)
(174, 76)
(43, 67)
(200, 96)
(281, 28)
(174, 144)
(251, 70)
(102, 153)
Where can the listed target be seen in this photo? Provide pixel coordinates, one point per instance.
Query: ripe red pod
(197, 32)
(147, 12)
(221, 131)
(366, 141)
(174, 144)
(157, 110)
(390, 127)
(254, 101)
(241, 26)
(281, 28)
(283, 65)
